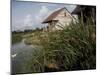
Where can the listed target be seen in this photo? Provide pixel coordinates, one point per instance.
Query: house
(85, 12)
(58, 19)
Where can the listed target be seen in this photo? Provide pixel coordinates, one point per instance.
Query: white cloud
(28, 20)
(22, 24)
(43, 10)
(42, 13)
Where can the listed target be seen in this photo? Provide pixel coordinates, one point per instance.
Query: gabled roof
(54, 14)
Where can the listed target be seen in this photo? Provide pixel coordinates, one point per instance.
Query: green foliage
(72, 48)
(32, 38)
(16, 38)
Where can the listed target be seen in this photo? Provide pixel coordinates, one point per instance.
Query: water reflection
(21, 55)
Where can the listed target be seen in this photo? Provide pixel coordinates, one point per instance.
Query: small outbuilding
(85, 12)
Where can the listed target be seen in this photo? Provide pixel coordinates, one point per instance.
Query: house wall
(51, 26)
(64, 18)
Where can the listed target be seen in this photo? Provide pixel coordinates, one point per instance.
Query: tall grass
(73, 48)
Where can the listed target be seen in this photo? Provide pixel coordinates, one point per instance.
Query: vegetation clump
(73, 48)
(16, 38)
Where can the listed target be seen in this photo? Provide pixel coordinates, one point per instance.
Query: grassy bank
(32, 38)
(16, 38)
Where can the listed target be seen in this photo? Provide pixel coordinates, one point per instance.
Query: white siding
(64, 18)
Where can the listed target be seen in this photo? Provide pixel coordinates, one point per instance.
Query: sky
(30, 14)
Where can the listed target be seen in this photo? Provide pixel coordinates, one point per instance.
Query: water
(20, 47)
(21, 55)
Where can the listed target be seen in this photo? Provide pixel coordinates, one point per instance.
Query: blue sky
(29, 15)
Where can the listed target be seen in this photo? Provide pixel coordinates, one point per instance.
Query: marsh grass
(32, 39)
(73, 48)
